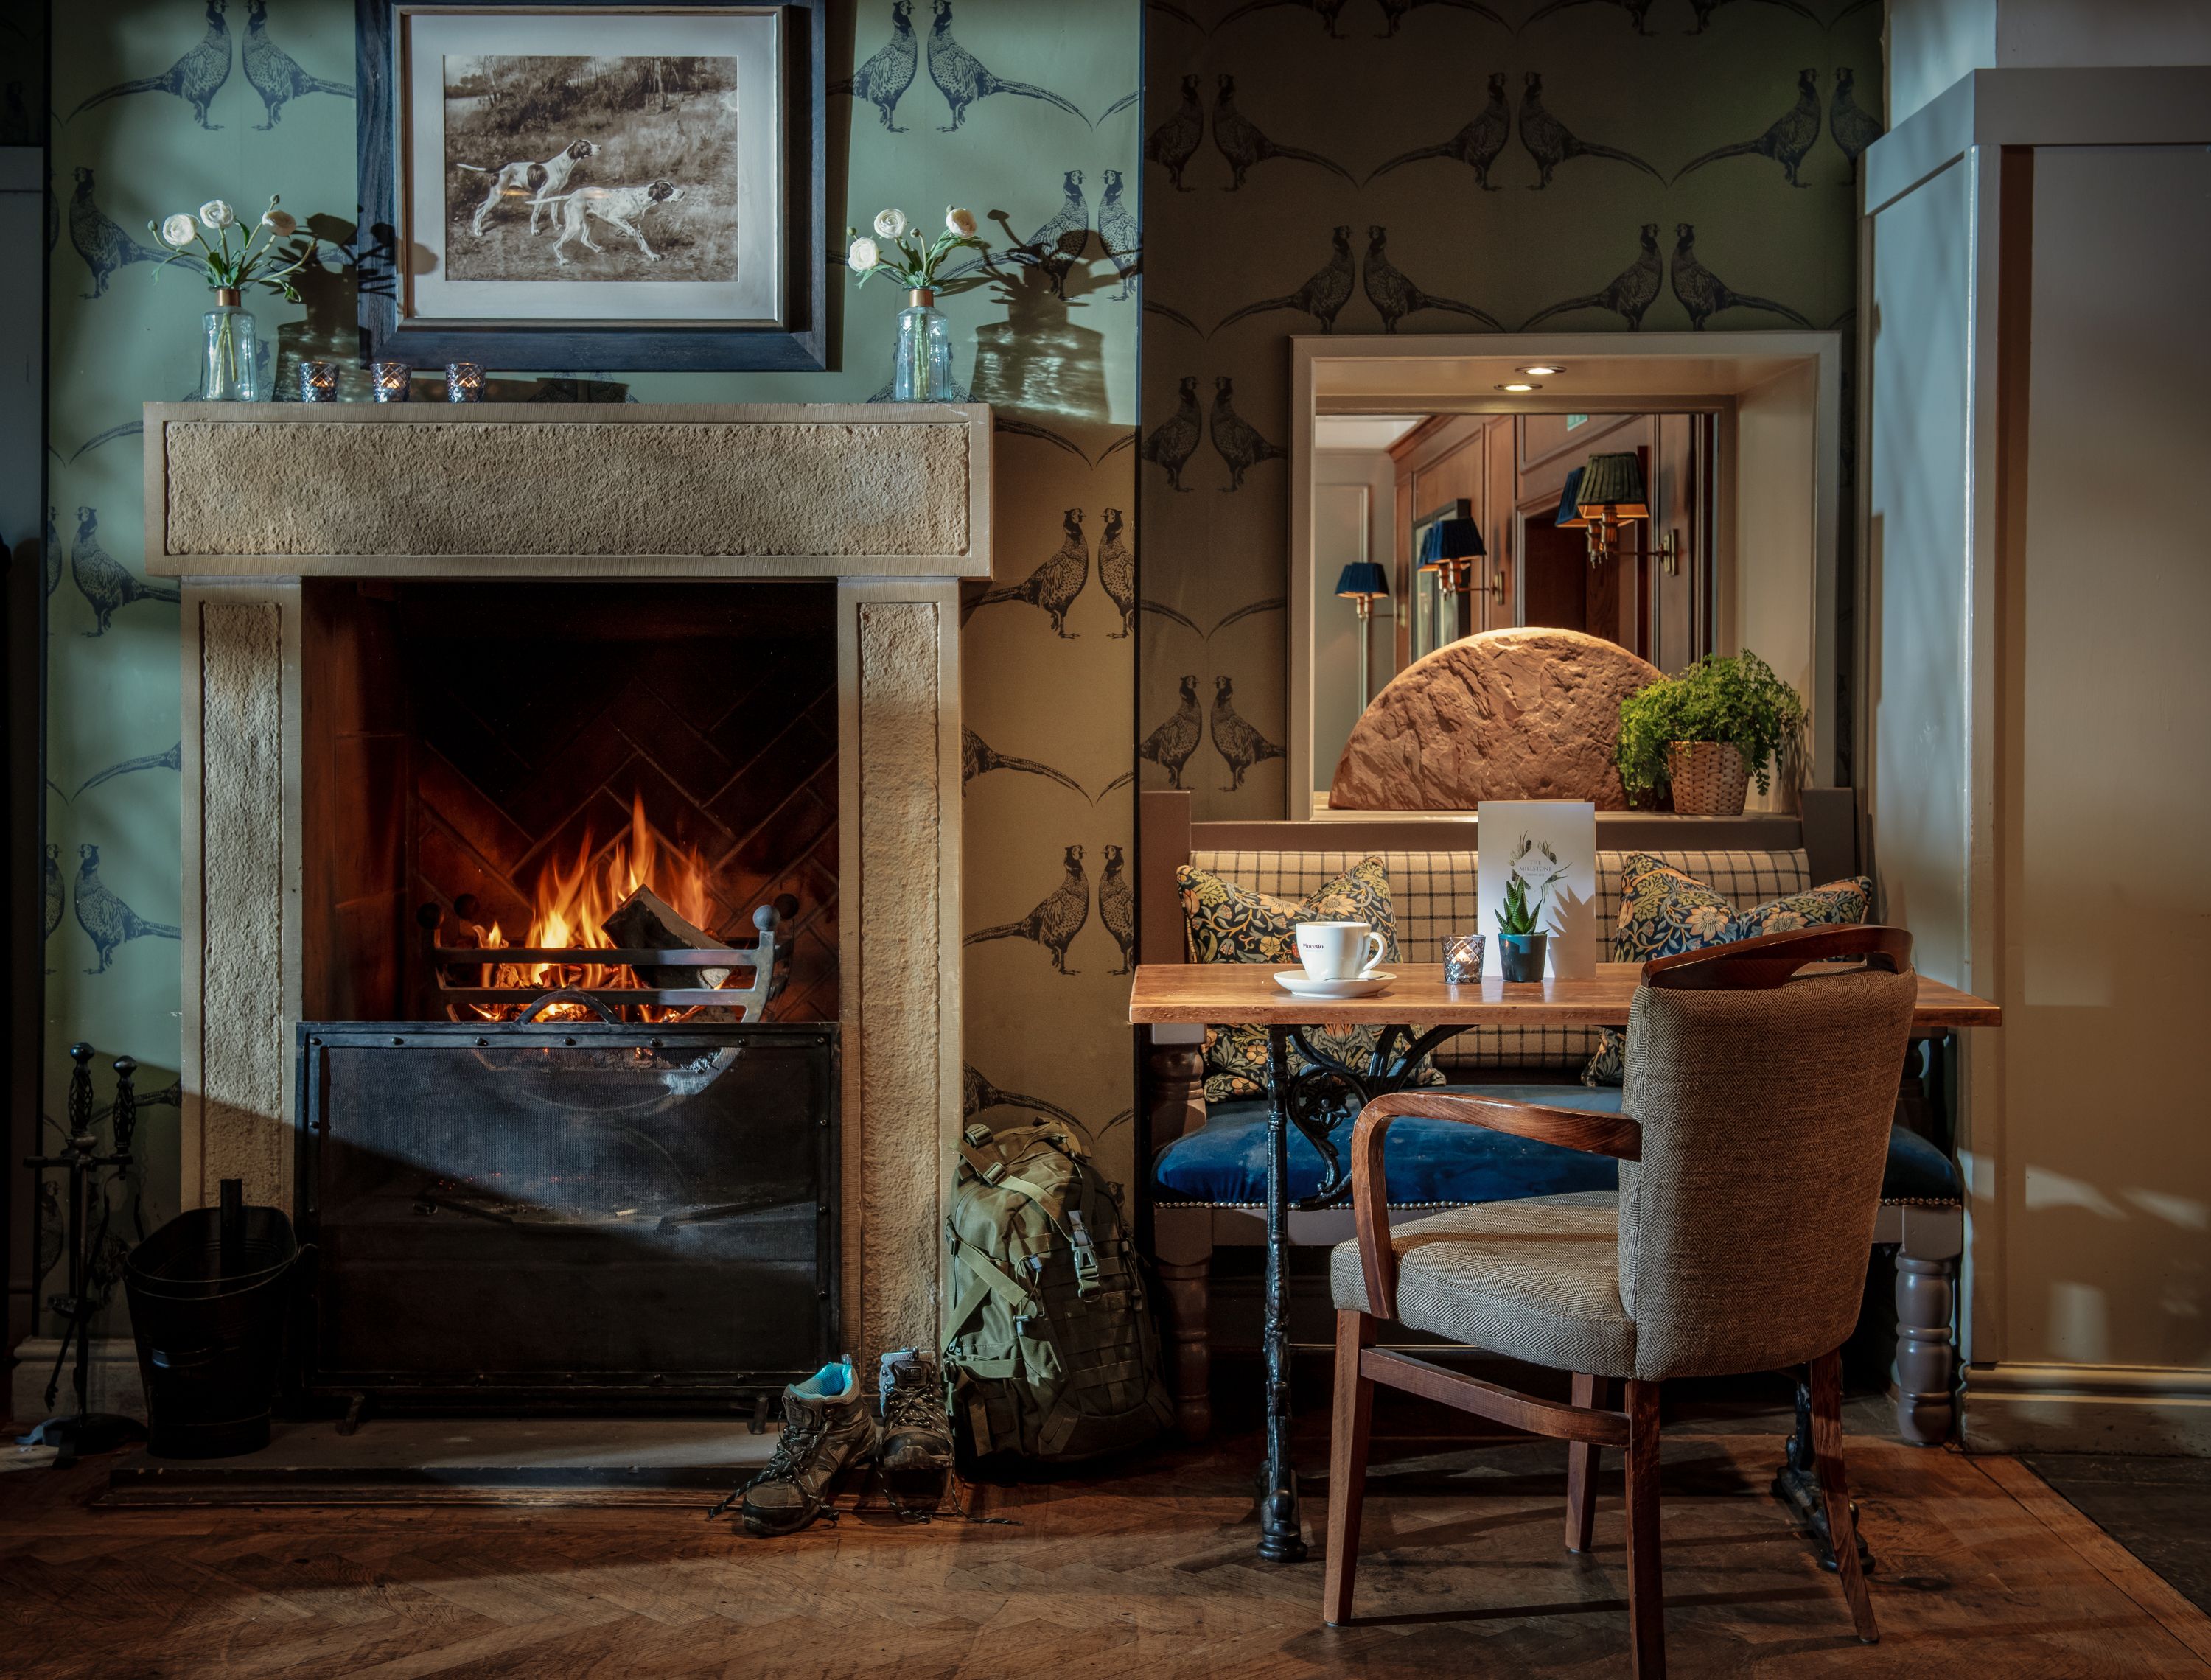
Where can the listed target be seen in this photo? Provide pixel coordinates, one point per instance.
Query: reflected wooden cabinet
(1654, 596)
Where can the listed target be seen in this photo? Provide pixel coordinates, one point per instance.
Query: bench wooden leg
(1926, 1344)
(1188, 1288)
(1347, 1465)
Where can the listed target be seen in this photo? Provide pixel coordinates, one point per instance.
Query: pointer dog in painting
(617, 207)
(541, 180)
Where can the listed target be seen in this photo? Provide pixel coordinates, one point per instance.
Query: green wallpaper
(1052, 339)
(1439, 165)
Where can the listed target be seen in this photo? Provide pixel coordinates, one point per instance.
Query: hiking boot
(917, 1451)
(826, 1426)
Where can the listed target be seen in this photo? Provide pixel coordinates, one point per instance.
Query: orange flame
(569, 903)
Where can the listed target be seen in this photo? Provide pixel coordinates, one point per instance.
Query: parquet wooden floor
(1983, 1572)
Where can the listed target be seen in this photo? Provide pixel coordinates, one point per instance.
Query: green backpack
(1052, 1353)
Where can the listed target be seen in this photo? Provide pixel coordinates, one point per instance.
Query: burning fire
(570, 903)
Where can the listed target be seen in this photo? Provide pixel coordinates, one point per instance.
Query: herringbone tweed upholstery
(1741, 1237)
(1537, 1280)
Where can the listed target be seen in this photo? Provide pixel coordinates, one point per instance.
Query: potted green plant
(1707, 734)
(1521, 944)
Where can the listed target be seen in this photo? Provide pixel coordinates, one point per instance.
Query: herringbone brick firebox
(506, 733)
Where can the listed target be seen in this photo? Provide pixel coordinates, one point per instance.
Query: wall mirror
(1677, 493)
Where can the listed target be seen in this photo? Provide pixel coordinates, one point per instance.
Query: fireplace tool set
(91, 1280)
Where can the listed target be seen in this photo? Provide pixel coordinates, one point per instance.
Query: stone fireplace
(388, 613)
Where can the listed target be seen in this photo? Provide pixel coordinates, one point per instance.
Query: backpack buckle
(1084, 1253)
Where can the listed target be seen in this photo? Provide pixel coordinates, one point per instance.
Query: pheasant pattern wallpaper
(1197, 180)
(1028, 114)
(1318, 166)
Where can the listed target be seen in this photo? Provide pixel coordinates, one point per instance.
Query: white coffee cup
(1338, 950)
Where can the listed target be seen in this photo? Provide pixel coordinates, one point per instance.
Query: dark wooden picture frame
(799, 345)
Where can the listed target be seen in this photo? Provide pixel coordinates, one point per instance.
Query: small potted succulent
(922, 372)
(1522, 943)
(230, 357)
(1705, 736)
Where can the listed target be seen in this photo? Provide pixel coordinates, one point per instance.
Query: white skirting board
(112, 1379)
(2155, 1409)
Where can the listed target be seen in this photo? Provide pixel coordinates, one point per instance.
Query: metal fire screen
(568, 1214)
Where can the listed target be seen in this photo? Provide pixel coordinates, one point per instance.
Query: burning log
(646, 920)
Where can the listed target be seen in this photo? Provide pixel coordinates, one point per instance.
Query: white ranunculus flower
(890, 224)
(216, 213)
(864, 255)
(178, 230)
(961, 222)
(281, 223)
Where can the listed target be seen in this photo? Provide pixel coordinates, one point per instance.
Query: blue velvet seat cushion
(1224, 1162)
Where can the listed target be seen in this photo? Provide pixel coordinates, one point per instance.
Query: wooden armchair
(1693, 1268)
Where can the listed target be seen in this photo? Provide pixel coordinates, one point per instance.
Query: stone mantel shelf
(547, 490)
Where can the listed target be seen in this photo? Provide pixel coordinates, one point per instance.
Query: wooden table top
(1245, 995)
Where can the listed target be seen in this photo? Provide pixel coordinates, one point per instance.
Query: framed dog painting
(593, 186)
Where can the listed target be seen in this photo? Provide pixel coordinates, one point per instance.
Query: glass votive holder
(318, 382)
(1463, 958)
(463, 382)
(392, 380)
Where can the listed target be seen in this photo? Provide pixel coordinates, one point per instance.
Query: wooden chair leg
(1835, 1493)
(1646, 1605)
(1346, 1464)
(1581, 1469)
(1190, 1354)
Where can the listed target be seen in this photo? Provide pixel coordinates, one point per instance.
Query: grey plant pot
(1523, 954)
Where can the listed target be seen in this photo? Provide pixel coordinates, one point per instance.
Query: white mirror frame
(1801, 486)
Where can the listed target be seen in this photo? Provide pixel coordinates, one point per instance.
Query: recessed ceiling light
(1542, 368)
(1518, 386)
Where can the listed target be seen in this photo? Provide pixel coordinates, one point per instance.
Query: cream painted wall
(2106, 797)
(1932, 43)
(1915, 548)
(2039, 712)
(1341, 478)
(1776, 539)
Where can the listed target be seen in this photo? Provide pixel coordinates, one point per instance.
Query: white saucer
(1368, 985)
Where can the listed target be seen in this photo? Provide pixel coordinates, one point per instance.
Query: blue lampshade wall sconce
(1449, 547)
(1363, 582)
(1607, 493)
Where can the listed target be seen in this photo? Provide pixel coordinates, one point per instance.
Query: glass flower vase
(922, 373)
(230, 358)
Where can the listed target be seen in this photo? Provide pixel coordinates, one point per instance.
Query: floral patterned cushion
(1228, 923)
(1663, 911)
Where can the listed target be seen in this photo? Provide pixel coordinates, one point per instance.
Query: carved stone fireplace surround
(244, 503)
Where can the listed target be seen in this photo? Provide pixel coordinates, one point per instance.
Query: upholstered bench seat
(1434, 1163)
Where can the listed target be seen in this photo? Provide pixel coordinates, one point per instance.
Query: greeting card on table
(1550, 844)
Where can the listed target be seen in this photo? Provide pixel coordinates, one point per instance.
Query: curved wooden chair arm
(1772, 959)
(1615, 1135)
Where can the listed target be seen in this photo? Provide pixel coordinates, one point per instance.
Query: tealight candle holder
(393, 381)
(318, 382)
(463, 382)
(1463, 958)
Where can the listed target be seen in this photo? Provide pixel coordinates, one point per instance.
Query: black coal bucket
(208, 1306)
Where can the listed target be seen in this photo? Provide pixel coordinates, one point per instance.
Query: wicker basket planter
(1709, 778)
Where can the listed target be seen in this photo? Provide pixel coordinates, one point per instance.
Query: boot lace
(792, 1449)
(912, 1405)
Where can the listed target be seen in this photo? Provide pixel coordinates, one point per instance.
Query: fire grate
(523, 981)
(568, 1215)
